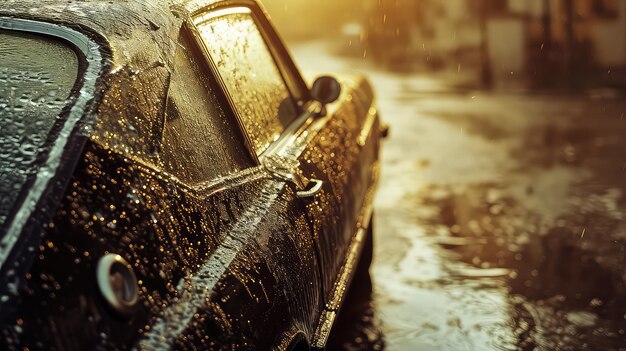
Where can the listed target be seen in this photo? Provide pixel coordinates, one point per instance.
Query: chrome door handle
(313, 188)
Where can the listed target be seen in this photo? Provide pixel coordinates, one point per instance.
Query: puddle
(532, 259)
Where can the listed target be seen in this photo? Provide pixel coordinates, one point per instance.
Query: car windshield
(37, 75)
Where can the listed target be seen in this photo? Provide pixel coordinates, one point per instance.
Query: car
(169, 180)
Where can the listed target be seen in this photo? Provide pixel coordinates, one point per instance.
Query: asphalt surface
(499, 218)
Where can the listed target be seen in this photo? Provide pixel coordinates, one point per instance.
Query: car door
(243, 235)
(334, 150)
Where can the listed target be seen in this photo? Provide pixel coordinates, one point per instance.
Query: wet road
(499, 219)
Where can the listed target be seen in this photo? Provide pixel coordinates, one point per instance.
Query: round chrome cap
(118, 284)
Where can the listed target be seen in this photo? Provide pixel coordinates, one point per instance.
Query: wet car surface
(192, 192)
(500, 218)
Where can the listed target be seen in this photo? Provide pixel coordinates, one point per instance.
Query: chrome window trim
(293, 130)
(204, 17)
(94, 64)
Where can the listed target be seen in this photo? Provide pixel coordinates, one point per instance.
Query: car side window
(250, 74)
(201, 142)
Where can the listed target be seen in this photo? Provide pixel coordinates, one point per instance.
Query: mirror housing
(326, 90)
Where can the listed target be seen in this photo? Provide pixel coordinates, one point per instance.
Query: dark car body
(240, 213)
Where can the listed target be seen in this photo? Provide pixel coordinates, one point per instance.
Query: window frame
(294, 83)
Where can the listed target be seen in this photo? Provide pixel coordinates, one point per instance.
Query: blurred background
(500, 212)
(540, 44)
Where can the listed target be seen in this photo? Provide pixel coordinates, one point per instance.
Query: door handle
(312, 189)
(288, 170)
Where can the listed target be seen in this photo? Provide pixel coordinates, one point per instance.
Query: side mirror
(326, 90)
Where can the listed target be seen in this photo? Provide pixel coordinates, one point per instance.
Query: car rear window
(37, 76)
